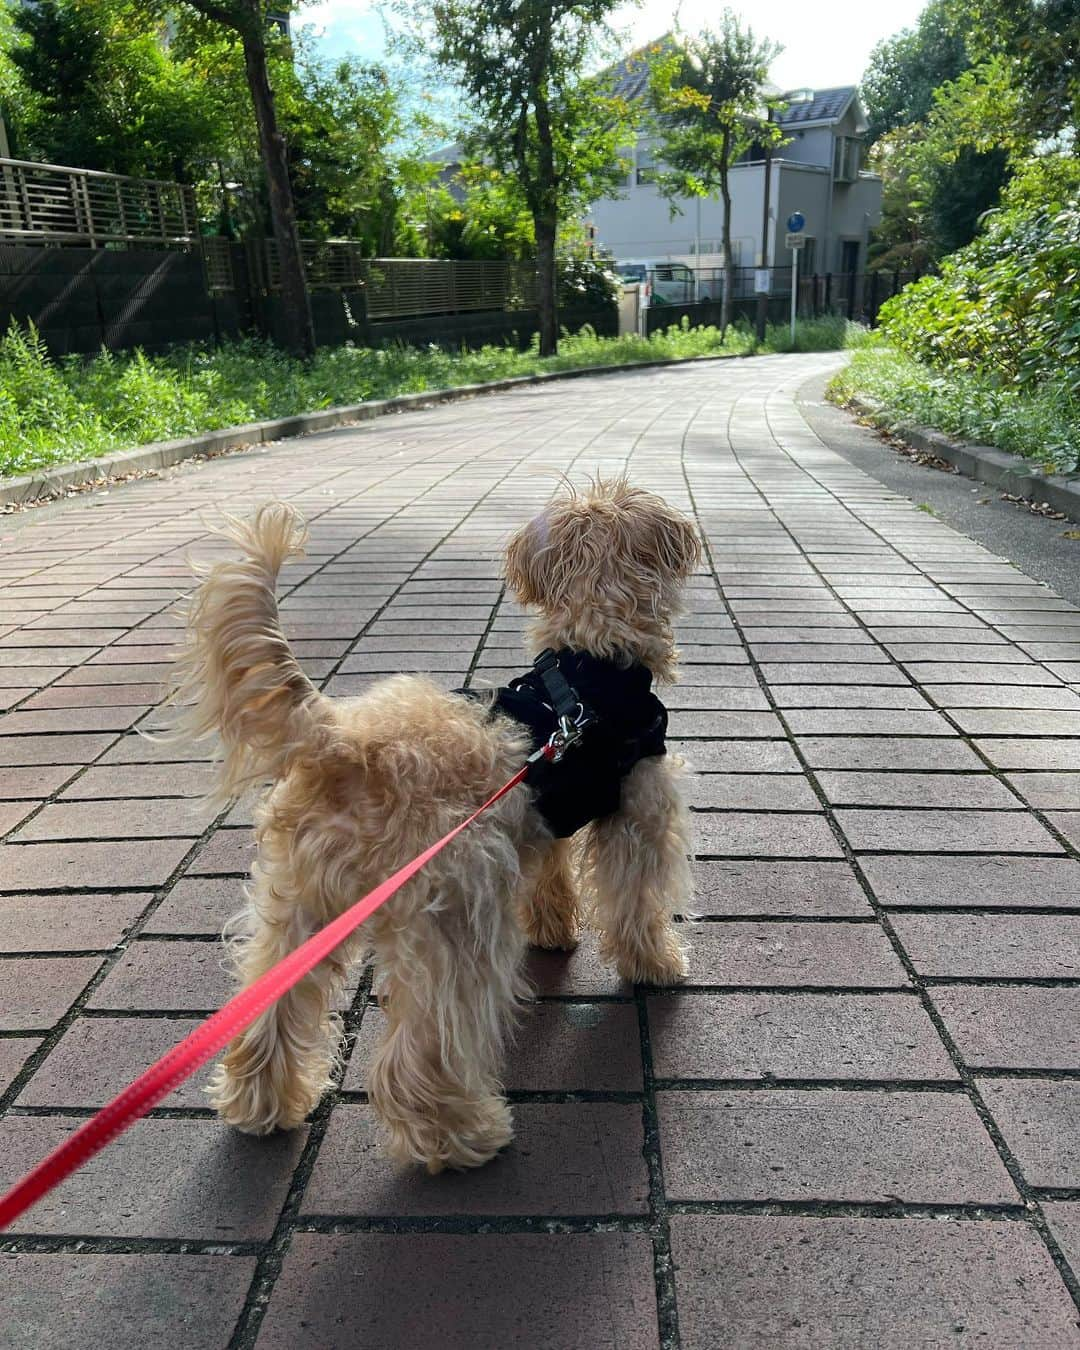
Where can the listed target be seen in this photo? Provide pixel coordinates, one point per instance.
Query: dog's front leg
(548, 897)
(639, 875)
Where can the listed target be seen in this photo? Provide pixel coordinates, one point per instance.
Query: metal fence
(393, 287)
(858, 295)
(46, 203)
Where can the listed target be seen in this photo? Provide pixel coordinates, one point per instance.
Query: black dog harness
(605, 717)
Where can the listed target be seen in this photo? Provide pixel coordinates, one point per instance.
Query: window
(846, 153)
(646, 166)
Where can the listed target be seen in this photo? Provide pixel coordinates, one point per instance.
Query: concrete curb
(29, 489)
(983, 463)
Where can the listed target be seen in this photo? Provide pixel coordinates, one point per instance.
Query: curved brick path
(857, 1126)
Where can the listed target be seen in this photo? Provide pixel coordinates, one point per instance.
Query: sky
(824, 44)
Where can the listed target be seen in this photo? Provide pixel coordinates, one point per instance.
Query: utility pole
(762, 315)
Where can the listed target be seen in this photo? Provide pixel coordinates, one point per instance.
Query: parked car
(664, 282)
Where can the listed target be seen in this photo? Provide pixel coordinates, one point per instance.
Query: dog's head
(605, 567)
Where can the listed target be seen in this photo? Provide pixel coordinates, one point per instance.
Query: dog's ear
(677, 547)
(527, 563)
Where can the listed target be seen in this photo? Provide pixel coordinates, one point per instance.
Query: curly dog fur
(358, 786)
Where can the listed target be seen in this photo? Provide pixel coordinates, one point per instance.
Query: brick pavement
(856, 1125)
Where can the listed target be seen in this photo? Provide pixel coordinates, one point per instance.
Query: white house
(816, 171)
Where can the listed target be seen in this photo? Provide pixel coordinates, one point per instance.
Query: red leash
(219, 1029)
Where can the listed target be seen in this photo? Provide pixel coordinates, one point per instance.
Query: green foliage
(54, 412)
(1040, 421)
(97, 88)
(1006, 308)
(904, 71)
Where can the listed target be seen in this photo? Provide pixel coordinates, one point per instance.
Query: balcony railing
(47, 203)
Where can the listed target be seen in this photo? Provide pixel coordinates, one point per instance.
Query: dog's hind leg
(448, 980)
(636, 866)
(548, 897)
(274, 1073)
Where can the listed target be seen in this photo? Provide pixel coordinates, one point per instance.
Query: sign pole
(794, 290)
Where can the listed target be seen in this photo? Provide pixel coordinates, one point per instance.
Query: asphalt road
(1036, 544)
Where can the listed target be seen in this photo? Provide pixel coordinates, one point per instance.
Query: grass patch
(54, 412)
(1039, 422)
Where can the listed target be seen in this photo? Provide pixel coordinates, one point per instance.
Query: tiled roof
(632, 78)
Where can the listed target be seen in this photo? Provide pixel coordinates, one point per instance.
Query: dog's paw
(253, 1105)
(660, 964)
(461, 1138)
(552, 932)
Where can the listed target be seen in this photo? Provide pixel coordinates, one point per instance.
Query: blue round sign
(796, 221)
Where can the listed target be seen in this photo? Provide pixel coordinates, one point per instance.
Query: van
(664, 282)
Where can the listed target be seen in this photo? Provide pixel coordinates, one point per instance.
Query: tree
(1041, 41)
(521, 65)
(249, 20)
(710, 109)
(899, 82)
(100, 90)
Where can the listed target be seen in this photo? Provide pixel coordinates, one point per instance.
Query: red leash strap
(216, 1032)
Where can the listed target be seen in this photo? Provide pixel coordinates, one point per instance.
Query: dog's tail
(237, 683)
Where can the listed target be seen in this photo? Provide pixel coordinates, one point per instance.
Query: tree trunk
(729, 277)
(299, 327)
(546, 301)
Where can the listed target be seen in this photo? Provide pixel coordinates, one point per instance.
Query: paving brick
(98, 1056)
(34, 783)
(35, 993)
(751, 792)
(778, 954)
(1040, 1121)
(1008, 946)
(31, 750)
(166, 977)
(1048, 791)
(141, 780)
(436, 1289)
(916, 789)
(804, 1036)
(124, 1301)
(67, 923)
(179, 1179)
(1068, 823)
(1023, 673)
(1012, 1028)
(870, 1147)
(31, 867)
(1003, 696)
(984, 880)
(737, 756)
(226, 851)
(727, 725)
(141, 818)
(197, 906)
(557, 1047)
(1063, 1218)
(567, 1158)
(745, 833)
(830, 672)
(884, 752)
(14, 1052)
(769, 1280)
(715, 698)
(580, 972)
(737, 887)
(865, 721)
(941, 831)
(847, 696)
(50, 720)
(1032, 754)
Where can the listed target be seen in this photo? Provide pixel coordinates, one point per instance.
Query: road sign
(761, 281)
(795, 241)
(796, 222)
